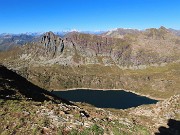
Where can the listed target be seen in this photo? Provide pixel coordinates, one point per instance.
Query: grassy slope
(28, 109)
(157, 82)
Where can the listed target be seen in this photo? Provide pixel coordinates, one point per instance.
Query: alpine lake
(118, 99)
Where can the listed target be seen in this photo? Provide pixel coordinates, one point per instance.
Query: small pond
(118, 99)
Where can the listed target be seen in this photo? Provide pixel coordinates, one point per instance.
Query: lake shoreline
(148, 96)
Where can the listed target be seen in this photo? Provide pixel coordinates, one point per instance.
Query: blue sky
(19, 16)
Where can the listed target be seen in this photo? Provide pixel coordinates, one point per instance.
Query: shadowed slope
(174, 128)
(14, 86)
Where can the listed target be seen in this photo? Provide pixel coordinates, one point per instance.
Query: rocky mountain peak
(158, 34)
(50, 34)
(163, 28)
(120, 32)
(50, 37)
(52, 42)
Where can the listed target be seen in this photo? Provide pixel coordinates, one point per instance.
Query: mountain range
(8, 40)
(145, 62)
(81, 57)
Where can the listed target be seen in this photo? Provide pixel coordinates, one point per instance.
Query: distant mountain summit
(8, 41)
(176, 32)
(120, 32)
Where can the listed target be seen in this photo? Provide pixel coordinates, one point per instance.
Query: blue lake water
(105, 99)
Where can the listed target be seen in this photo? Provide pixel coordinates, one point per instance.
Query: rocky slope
(176, 32)
(28, 109)
(161, 113)
(145, 62)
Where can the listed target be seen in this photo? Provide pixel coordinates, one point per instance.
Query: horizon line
(77, 30)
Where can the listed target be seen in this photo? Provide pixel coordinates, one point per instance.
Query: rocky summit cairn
(52, 43)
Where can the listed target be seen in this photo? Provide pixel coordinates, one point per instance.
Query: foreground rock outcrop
(161, 113)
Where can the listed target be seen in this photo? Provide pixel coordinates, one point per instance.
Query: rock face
(94, 46)
(52, 43)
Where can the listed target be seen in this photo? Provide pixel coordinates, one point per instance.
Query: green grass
(93, 130)
(141, 130)
(158, 82)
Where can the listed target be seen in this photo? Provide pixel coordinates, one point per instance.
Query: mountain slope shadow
(174, 128)
(14, 86)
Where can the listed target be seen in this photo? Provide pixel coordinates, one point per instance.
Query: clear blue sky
(19, 16)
